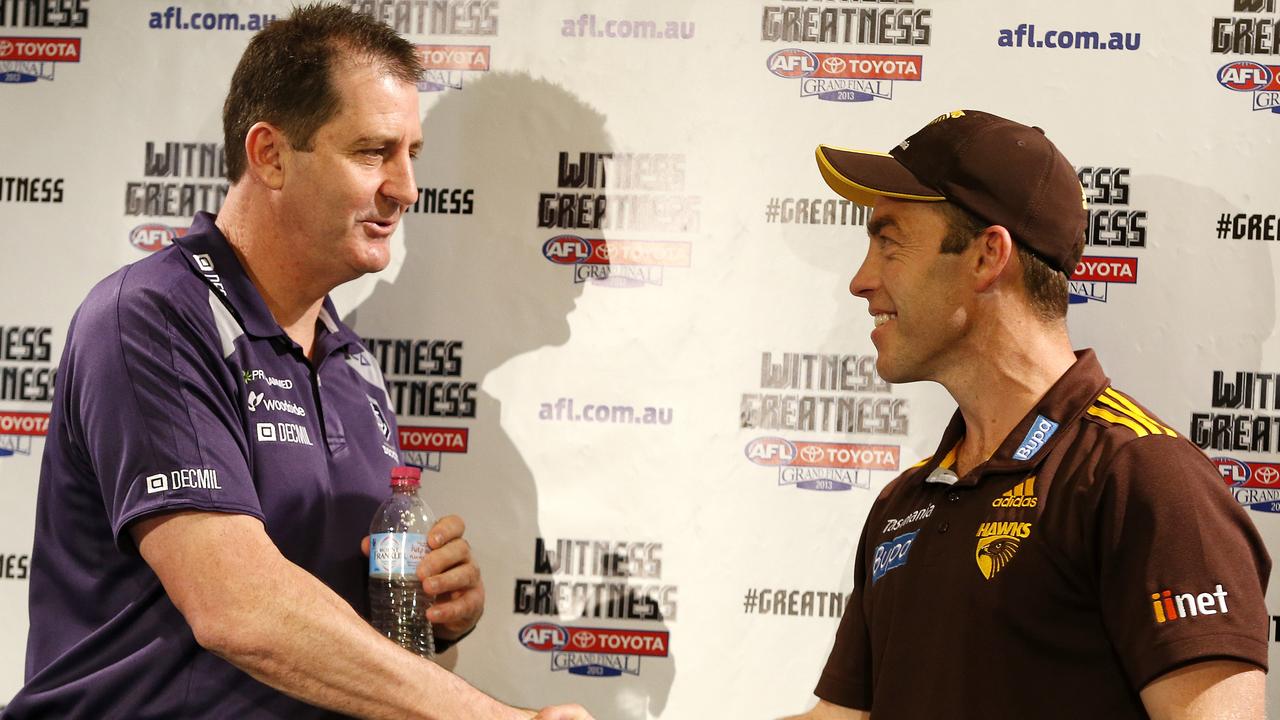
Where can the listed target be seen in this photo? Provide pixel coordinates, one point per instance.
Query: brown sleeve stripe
(1132, 410)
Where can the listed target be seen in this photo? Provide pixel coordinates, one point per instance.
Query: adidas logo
(1022, 495)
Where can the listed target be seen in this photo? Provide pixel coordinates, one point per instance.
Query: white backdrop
(702, 509)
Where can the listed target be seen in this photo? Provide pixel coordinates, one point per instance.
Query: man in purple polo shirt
(220, 440)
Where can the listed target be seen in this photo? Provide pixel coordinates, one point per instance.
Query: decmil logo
(1168, 607)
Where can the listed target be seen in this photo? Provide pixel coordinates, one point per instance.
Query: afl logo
(771, 451)
(567, 250)
(1234, 472)
(543, 637)
(792, 63)
(151, 237)
(1244, 76)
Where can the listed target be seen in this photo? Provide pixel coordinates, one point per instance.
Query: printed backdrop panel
(617, 328)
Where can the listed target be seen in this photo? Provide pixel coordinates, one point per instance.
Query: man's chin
(891, 372)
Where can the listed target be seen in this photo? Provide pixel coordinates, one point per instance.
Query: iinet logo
(1169, 607)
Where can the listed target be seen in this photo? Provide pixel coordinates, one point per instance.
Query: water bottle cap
(406, 475)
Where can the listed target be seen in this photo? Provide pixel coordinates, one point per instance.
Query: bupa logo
(154, 236)
(1041, 430)
(567, 250)
(890, 555)
(792, 63)
(543, 637)
(1245, 76)
(771, 451)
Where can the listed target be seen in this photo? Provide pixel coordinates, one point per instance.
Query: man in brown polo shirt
(1064, 553)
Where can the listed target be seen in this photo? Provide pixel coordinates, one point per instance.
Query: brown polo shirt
(1095, 551)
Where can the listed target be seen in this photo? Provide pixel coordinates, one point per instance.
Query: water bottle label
(396, 553)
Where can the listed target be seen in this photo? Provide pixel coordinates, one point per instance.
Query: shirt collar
(210, 255)
(1035, 435)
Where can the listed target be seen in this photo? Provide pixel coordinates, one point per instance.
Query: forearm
(1208, 690)
(250, 605)
(305, 641)
(828, 711)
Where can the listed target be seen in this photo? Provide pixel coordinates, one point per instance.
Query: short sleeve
(151, 405)
(846, 678)
(1182, 570)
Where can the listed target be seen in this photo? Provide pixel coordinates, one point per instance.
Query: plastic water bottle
(397, 542)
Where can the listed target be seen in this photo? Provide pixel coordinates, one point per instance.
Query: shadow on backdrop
(482, 279)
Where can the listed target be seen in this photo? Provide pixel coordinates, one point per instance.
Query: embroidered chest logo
(1022, 495)
(383, 426)
(998, 541)
(891, 554)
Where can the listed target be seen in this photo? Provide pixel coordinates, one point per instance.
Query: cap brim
(864, 175)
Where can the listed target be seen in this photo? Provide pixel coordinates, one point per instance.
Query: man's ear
(265, 149)
(993, 254)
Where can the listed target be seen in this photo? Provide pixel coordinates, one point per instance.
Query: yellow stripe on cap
(1137, 412)
(850, 190)
(1113, 418)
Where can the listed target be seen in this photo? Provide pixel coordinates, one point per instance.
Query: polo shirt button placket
(953, 496)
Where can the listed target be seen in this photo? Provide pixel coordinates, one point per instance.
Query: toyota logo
(810, 453)
(584, 640)
(1267, 474)
(6, 48)
(833, 65)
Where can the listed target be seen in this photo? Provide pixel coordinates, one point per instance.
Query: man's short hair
(285, 76)
(1046, 287)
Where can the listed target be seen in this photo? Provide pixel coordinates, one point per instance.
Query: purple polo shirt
(177, 390)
